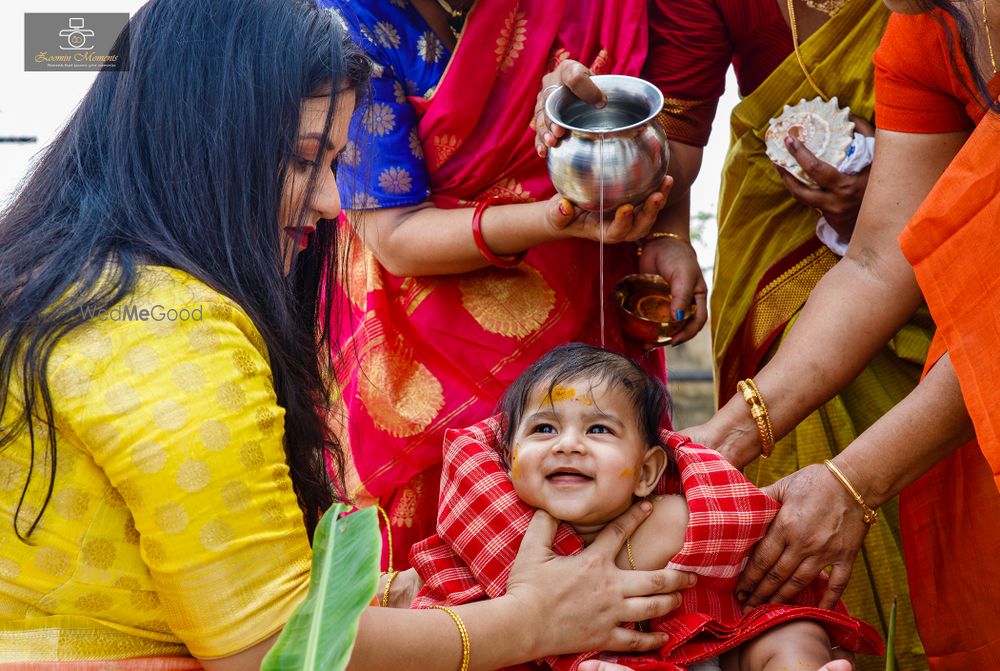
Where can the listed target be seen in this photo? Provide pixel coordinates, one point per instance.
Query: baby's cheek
(513, 462)
(525, 494)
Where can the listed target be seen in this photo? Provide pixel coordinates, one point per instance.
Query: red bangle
(477, 235)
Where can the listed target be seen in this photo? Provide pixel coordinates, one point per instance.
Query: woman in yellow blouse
(162, 440)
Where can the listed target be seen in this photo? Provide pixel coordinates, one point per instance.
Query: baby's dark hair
(569, 362)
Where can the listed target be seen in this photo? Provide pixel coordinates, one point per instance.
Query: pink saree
(422, 354)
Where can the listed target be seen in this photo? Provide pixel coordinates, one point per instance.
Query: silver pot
(635, 153)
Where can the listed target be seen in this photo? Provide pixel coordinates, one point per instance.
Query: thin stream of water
(601, 246)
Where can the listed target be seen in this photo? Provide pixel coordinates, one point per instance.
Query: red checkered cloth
(481, 523)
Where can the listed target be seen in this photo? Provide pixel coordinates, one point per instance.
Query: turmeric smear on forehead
(561, 393)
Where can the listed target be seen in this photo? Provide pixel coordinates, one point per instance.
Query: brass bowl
(643, 302)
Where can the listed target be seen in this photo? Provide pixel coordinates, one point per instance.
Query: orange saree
(951, 515)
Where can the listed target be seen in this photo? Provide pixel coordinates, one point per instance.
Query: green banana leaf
(890, 641)
(321, 631)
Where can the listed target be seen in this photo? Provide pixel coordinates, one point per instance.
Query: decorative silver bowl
(631, 159)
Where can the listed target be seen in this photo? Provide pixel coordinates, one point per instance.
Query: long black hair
(181, 162)
(962, 42)
(574, 361)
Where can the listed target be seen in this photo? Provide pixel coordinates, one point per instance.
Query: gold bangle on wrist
(659, 234)
(464, 633)
(760, 415)
(388, 585)
(871, 514)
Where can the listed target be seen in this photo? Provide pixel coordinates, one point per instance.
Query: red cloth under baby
(481, 523)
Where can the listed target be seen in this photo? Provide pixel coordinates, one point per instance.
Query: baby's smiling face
(581, 455)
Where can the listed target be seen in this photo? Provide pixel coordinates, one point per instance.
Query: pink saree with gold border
(422, 354)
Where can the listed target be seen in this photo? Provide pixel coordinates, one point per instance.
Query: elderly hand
(838, 196)
(677, 262)
(576, 77)
(819, 525)
(628, 225)
(579, 602)
(731, 432)
(403, 590)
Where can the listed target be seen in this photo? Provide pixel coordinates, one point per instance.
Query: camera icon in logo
(76, 36)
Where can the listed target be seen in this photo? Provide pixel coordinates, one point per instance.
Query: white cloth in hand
(859, 156)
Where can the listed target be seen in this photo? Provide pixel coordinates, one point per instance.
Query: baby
(580, 435)
(582, 443)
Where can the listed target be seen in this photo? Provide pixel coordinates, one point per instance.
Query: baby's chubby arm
(660, 537)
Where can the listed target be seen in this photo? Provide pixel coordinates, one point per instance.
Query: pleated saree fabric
(951, 515)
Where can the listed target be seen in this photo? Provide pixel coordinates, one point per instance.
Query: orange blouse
(916, 87)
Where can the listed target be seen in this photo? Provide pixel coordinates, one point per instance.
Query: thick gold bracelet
(464, 633)
(760, 415)
(388, 585)
(659, 234)
(871, 514)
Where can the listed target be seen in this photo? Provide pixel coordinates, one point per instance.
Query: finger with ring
(545, 92)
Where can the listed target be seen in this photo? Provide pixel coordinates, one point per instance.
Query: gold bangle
(758, 410)
(388, 585)
(660, 234)
(871, 514)
(763, 412)
(464, 633)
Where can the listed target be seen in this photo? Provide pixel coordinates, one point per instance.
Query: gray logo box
(74, 42)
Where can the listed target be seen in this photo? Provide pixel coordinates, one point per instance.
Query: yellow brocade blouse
(172, 528)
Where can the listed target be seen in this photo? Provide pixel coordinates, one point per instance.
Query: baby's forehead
(589, 391)
(581, 388)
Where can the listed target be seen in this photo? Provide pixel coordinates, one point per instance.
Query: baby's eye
(543, 428)
(599, 428)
